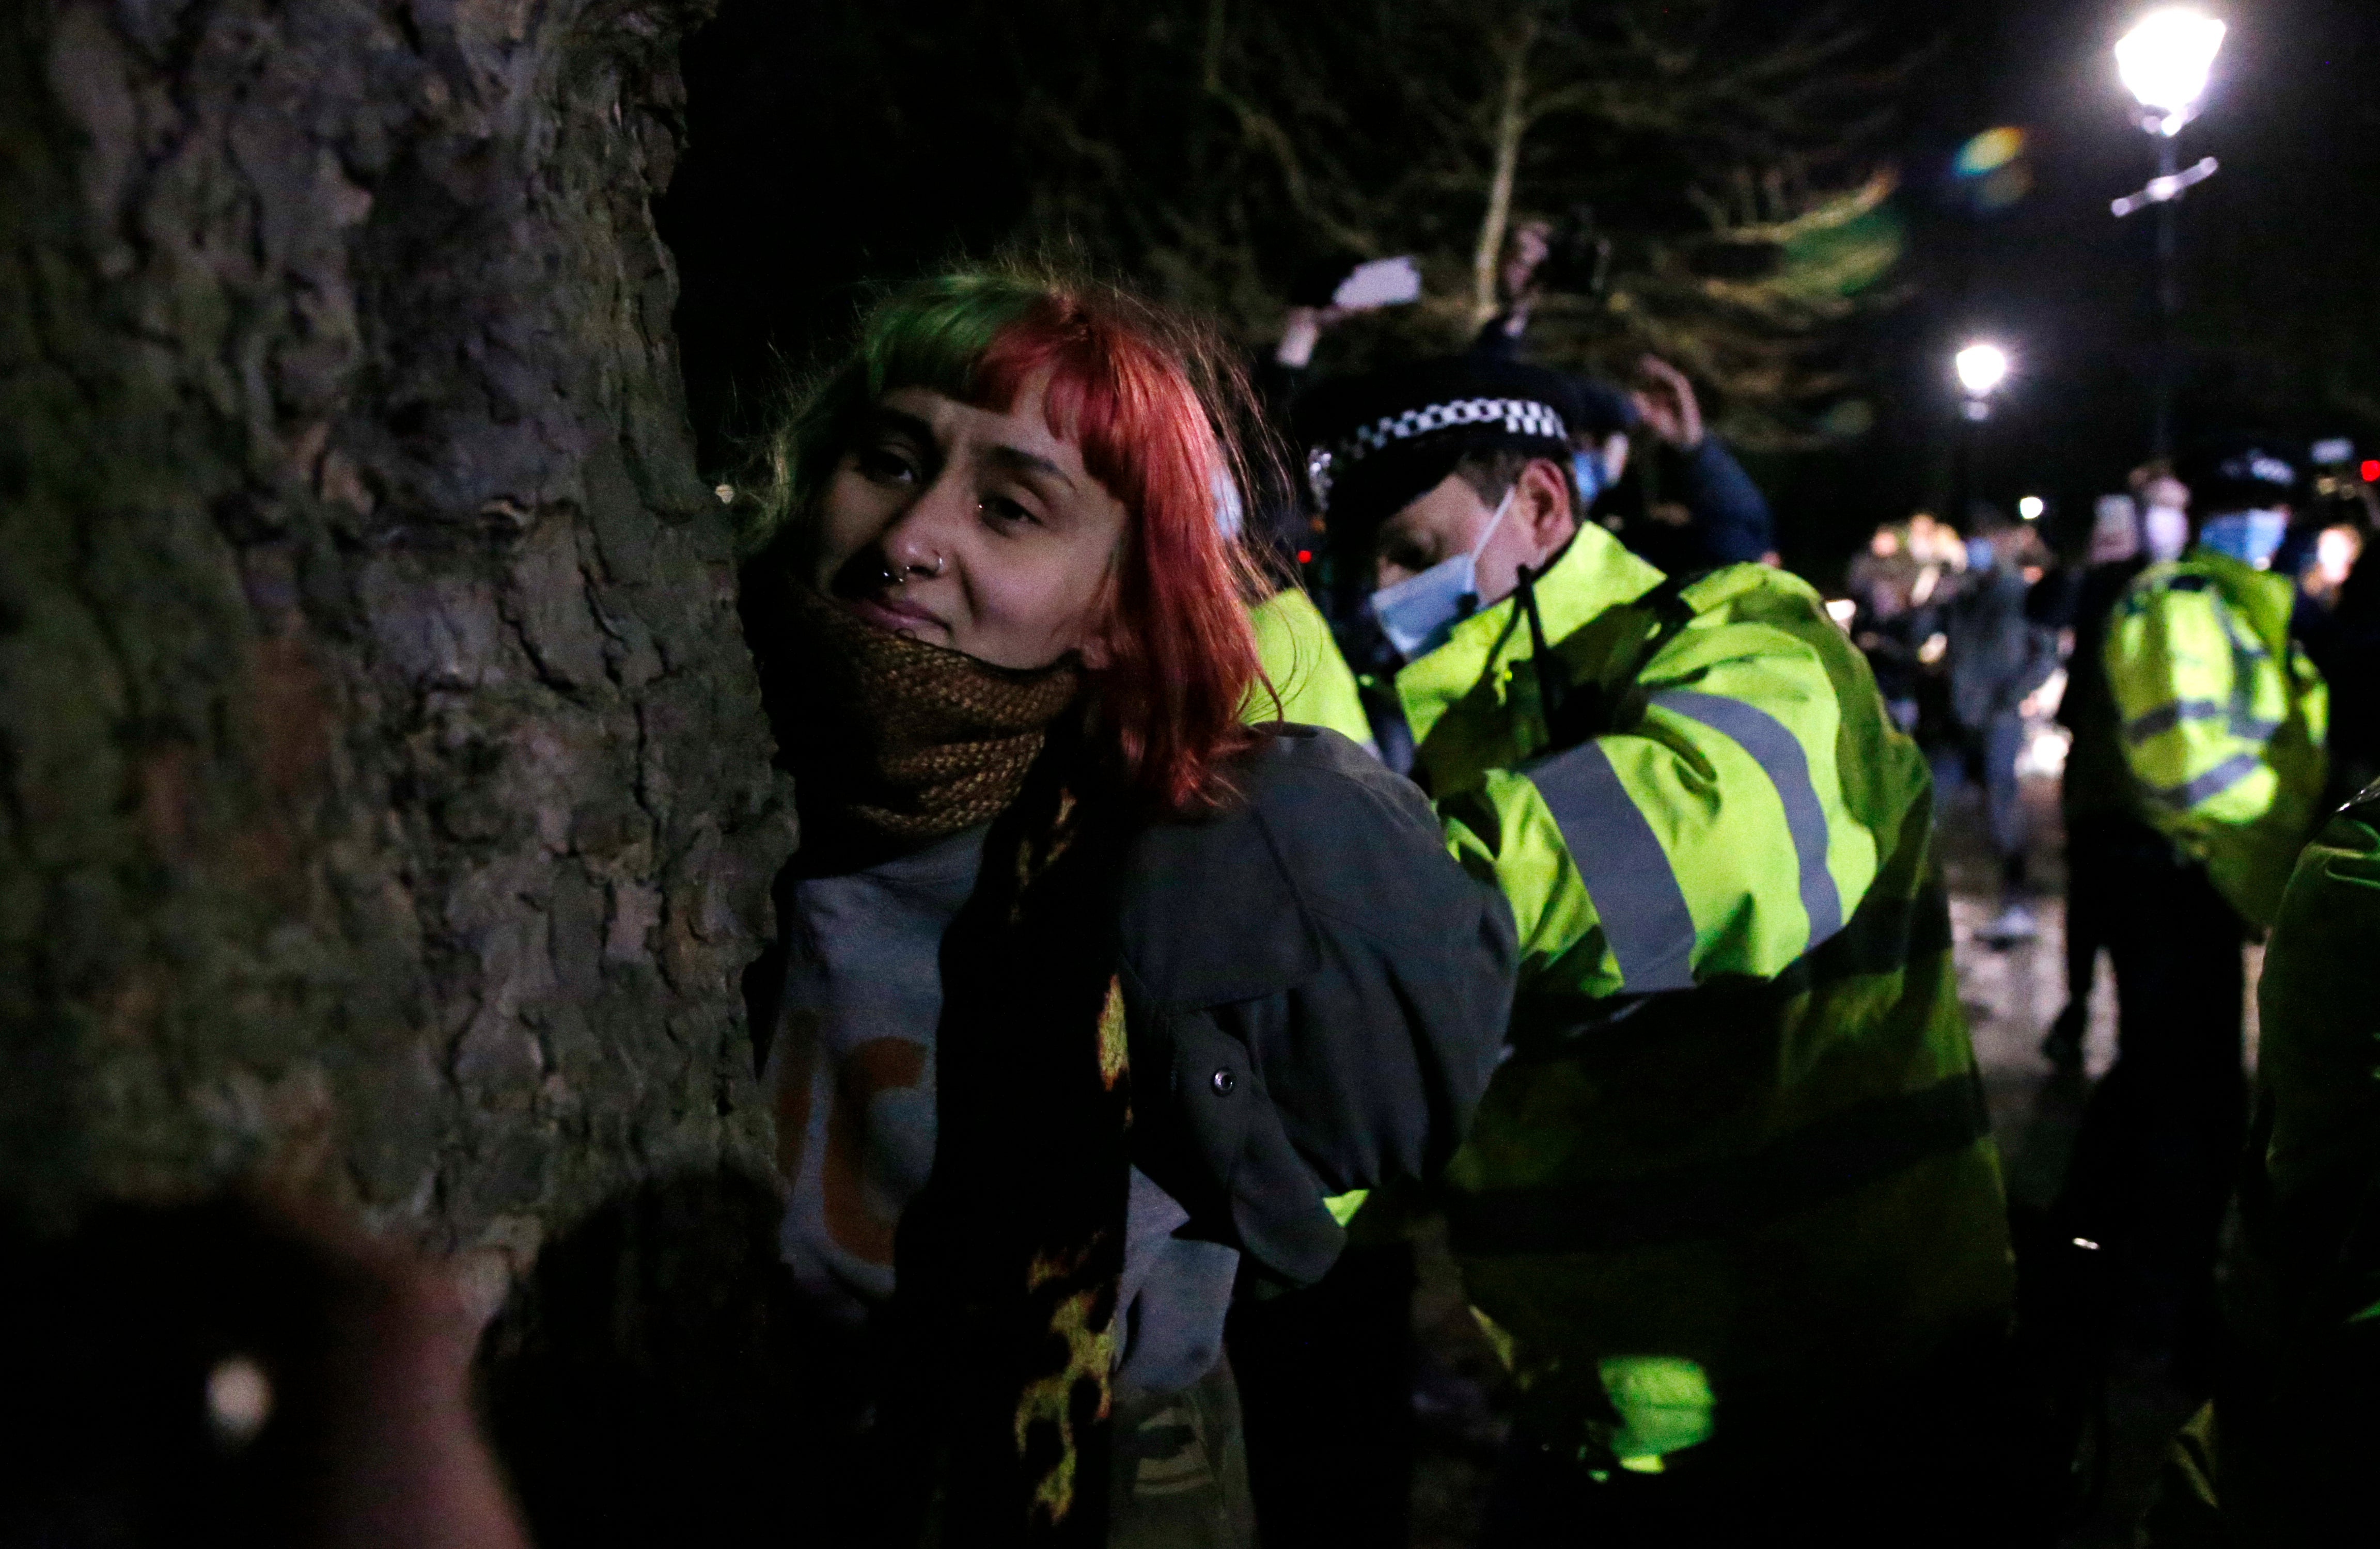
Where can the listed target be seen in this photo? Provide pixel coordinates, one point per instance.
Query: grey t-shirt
(851, 1074)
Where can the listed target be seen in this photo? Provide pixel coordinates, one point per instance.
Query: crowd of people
(1208, 875)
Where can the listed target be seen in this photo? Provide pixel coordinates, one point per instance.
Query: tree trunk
(384, 793)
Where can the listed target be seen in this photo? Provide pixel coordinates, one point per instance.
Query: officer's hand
(1532, 240)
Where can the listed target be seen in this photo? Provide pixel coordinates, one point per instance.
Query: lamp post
(1981, 368)
(2164, 62)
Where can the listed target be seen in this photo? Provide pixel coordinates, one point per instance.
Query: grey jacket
(1317, 996)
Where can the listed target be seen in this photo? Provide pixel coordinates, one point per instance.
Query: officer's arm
(1709, 839)
(2194, 731)
(2319, 1061)
(1730, 513)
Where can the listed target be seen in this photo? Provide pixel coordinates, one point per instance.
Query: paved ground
(2012, 995)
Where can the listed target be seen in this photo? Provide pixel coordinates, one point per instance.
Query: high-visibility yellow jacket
(1305, 668)
(2223, 719)
(2318, 1064)
(1738, 1157)
(2284, 1455)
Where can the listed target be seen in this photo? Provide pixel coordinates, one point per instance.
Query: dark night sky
(783, 202)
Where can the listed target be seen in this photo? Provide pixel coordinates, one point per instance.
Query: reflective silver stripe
(1627, 874)
(2245, 659)
(1779, 754)
(2164, 718)
(2214, 783)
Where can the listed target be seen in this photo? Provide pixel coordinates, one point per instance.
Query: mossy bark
(384, 791)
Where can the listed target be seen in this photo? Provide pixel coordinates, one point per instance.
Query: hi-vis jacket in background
(1735, 1176)
(2224, 720)
(1302, 663)
(2285, 1454)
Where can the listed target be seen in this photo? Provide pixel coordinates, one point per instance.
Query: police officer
(2221, 722)
(1731, 1209)
(2285, 1457)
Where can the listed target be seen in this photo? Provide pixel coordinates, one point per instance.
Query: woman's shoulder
(1292, 766)
(1319, 802)
(1321, 841)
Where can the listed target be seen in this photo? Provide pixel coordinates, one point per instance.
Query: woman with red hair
(1095, 1002)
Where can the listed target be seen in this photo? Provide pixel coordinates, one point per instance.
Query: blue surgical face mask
(1420, 611)
(1587, 467)
(2250, 536)
(1230, 513)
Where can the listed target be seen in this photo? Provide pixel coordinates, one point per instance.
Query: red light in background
(1305, 556)
(2370, 470)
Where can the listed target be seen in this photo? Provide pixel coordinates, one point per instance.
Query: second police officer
(2221, 722)
(1730, 1210)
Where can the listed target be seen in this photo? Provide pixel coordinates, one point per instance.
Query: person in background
(2337, 620)
(2221, 721)
(2094, 791)
(1684, 504)
(1730, 1210)
(2350, 644)
(2165, 512)
(1303, 664)
(1882, 581)
(1998, 657)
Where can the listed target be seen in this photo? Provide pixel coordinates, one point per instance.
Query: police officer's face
(1450, 519)
(970, 528)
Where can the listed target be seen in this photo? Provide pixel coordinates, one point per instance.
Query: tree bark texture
(384, 789)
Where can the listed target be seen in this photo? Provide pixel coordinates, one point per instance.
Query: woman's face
(969, 529)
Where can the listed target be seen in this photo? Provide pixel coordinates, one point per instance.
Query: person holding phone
(1685, 503)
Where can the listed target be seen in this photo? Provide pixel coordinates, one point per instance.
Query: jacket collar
(1593, 574)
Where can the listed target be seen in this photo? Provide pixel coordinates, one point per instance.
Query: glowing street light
(1982, 367)
(2031, 507)
(2164, 62)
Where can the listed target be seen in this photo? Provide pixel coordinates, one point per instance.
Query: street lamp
(1981, 368)
(2164, 62)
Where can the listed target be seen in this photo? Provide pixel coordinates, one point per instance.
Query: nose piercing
(896, 573)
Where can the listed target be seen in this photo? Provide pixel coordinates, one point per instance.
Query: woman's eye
(1002, 511)
(884, 464)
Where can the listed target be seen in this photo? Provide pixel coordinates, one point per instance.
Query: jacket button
(1223, 1082)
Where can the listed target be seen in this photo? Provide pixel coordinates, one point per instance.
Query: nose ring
(935, 574)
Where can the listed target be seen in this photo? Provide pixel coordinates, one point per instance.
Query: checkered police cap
(1395, 433)
(1520, 418)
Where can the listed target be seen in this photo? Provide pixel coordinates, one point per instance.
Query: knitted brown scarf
(896, 742)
